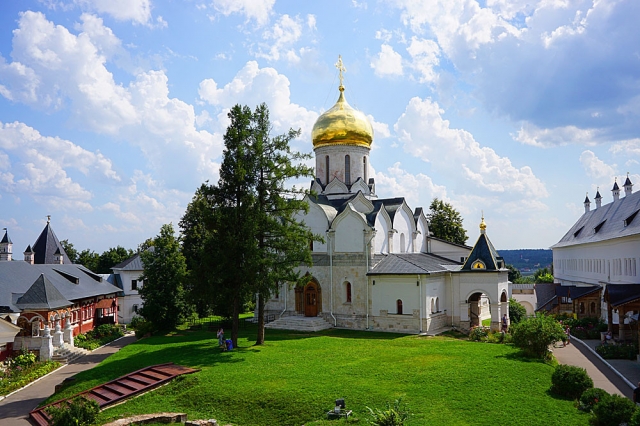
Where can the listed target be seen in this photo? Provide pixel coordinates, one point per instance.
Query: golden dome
(483, 226)
(342, 125)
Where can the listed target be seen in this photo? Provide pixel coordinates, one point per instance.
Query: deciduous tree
(446, 222)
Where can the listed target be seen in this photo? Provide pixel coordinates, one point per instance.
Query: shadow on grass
(279, 335)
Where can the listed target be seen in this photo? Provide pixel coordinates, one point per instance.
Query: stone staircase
(299, 323)
(66, 354)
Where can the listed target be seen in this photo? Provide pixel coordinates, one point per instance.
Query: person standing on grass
(220, 336)
(504, 323)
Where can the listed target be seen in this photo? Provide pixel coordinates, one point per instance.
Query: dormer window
(599, 226)
(628, 220)
(575, 234)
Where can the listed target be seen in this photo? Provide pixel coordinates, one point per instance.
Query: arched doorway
(479, 309)
(311, 300)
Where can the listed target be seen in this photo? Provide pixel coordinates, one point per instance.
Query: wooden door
(311, 301)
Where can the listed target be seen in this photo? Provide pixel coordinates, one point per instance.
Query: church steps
(67, 354)
(298, 323)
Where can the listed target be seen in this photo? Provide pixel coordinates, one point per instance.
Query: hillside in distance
(531, 259)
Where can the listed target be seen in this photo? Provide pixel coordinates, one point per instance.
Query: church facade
(379, 268)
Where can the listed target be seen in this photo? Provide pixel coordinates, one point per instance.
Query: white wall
(450, 251)
(388, 290)
(403, 225)
(349, 233)
(381, 243)
(336, 155)
(317, 222)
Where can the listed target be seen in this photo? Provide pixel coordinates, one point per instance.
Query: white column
(57, 336)
(46, 348)
(68, 333)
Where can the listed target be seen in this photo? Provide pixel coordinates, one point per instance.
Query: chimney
(627, 186)
(615, 190)
(598, 199)
(587, 204)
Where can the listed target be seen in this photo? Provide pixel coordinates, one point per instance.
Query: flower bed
(99, 336)
(22, 370)
(629, 351)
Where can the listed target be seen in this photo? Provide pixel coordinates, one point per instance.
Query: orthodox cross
(341, 68)
(48, 218)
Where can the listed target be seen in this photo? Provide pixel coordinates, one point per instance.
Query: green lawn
(295, 378)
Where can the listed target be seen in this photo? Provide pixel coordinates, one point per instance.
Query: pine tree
(446, 222)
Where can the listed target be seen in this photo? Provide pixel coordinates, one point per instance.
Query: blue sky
(112, 111)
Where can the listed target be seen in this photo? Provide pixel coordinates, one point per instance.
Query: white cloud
(380, 130)
(280, 39)
(138, 11)
(595, 167)
(426, 135)
(532, 135)
(425, 56)
(418, 189)
(253, 85)
(387, 62)
(258, 10)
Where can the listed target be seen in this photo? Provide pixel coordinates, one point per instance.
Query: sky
(112, 112)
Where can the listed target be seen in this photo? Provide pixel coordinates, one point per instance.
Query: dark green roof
(485, 252)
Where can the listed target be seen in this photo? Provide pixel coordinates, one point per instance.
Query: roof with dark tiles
(6, 239)
(620, 294)
(42, 295)
(46, 246)
(410, 264)
(486, 253)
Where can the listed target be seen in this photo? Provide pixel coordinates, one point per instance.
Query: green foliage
(89, 259)
(390, 416)
(144, 328)
(609, 351)
(97, 337)
(527, 258)
(446, 222)
(635, 419)
(583, 328)
(479, 334)
(613, 410)
(514, 273)
(24, 360)
(570, 381)
(15, 377)
(499, 337)
(534, 335)
(528, 279)
(164, 275)
(543, 275)
(79, 412)
(68, 248)
(517, 312)
(111, 258)
(591, 397)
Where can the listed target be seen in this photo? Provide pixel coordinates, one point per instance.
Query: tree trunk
(235, 320)
(260, 337)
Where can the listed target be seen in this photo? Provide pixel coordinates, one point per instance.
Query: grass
(295, 377)
(486, 322)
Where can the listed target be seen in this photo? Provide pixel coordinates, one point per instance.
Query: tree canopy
(445, 222)
(164, 274)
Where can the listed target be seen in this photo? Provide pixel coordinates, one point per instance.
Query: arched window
(399, 306)
(437, 305)
(365, 171)
(347, 170)
(402, 247)
(348, 290)
(326, 170)
(503, 297)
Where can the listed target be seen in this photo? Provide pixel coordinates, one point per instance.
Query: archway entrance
(309, 299)
(479, 309)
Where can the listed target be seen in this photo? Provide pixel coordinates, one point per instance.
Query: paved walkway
(614, 376)
(14, 410)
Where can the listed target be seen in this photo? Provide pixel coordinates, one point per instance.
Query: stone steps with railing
(299, 323)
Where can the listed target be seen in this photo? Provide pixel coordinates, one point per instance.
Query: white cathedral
(379, 268)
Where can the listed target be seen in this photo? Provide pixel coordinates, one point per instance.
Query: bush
(618, 351)
(143, 328)
(24, 360)
(479, 334)
(99, 336)
(635, 419)
(591, 397)
(499, 337)
(79, 412)
(517, 312)
(17, 377)
(613, 410)
(570, 381)
(534, 335)
(392, 416)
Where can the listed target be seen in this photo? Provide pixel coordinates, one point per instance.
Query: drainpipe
(420, 299)
(285, 303)
(366, 256)
(329, 233)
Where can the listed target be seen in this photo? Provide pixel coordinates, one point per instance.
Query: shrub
(143, 328)
(591, 397)
(570, 381)
(517, 312)
(25, 359)
(79, 412)
(479, 334)
(612, 410)
(18, 377)
(499, 337)
(635, 419)
(534, 335)
(617, 351)
(392, 416)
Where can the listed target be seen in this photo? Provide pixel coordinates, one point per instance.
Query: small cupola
(6, 247)
(598, 199)
(58, 257)
(29, 255)
(587, 204)
(628, 186)
(615, 190)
